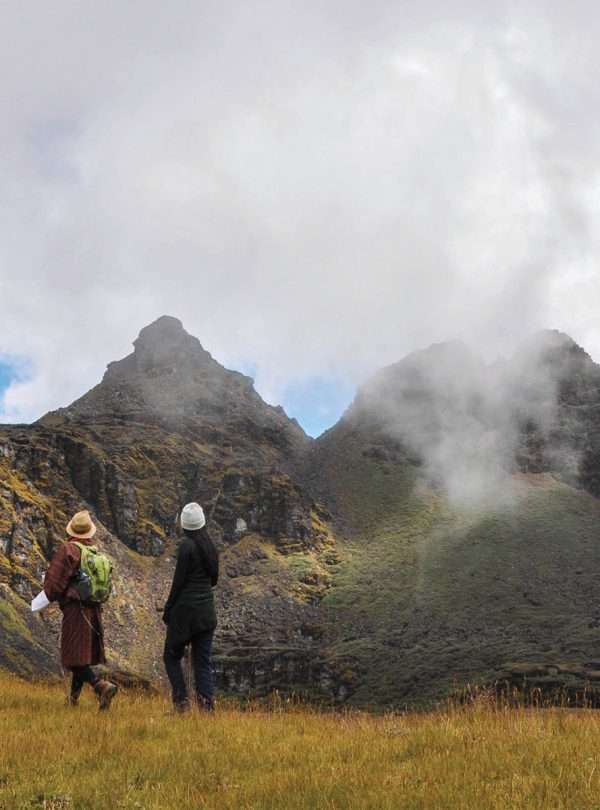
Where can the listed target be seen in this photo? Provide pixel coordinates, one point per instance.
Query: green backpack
(93, 581)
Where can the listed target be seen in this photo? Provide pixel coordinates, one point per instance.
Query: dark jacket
(190, 608)
(82, 637)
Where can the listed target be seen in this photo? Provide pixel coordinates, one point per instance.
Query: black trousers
(82, 675)
(203, 675)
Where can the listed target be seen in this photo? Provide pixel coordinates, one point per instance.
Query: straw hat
(81, 526)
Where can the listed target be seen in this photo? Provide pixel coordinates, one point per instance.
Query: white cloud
(315, 189)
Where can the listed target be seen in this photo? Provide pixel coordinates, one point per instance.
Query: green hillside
(428, 598)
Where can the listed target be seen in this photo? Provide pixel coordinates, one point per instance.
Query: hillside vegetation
(428, 598)
(137, 756)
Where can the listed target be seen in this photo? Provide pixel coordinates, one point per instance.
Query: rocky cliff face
(167, 425)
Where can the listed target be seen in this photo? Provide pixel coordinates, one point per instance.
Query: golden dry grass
(138, 757)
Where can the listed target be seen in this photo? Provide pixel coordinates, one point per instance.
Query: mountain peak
(165, 327)
(165, 343)
(171, 380)
(548, 343)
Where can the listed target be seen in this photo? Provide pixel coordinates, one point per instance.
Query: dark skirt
(82, 639)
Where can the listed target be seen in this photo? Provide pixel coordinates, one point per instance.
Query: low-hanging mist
(472, 425)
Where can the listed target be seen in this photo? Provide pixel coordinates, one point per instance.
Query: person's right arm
(179, 578)
(62, 568)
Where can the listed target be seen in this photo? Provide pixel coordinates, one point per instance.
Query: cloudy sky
(314, 188)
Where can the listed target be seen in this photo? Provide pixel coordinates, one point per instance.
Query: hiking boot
(205, 704)
(74, 695)
(182, 707)
(105, 691)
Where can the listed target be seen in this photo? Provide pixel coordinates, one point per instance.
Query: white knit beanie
(192, 517)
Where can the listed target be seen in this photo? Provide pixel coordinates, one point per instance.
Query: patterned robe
(82, 638)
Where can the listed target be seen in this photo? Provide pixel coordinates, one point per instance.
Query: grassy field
(137, 756)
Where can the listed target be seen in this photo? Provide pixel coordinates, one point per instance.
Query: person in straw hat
(82, 637)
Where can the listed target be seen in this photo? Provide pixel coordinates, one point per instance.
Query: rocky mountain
(443, 532)
(167, 425)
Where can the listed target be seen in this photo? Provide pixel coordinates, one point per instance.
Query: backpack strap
(81, 546)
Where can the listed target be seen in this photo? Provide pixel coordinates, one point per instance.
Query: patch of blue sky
(12, 370)
(249, 369)
(318, 403)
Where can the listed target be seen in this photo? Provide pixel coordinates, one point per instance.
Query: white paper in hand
(40, 602)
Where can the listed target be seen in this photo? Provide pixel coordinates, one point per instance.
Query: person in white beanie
(190, 613)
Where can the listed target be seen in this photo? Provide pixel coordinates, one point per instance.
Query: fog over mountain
(466, 420)
(315, 190)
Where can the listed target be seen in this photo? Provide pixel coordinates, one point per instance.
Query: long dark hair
(206, 550)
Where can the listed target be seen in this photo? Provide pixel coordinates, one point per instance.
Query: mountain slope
(458, 569)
